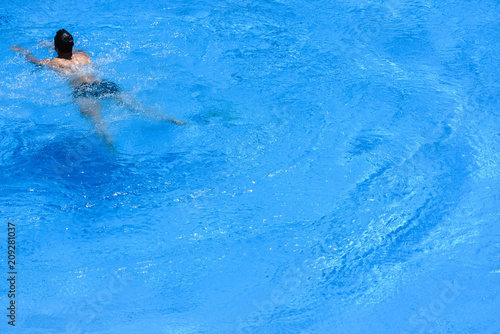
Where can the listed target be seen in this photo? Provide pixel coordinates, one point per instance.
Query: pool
(339, 172)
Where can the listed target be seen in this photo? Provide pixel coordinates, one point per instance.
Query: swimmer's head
(63, 42)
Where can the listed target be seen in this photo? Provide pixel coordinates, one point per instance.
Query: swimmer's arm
(30, 57)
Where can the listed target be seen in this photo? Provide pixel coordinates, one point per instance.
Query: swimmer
(88, 89)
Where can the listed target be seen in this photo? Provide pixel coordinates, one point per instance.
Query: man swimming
(88, 88)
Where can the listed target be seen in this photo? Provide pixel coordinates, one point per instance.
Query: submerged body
(78, 70)
(88, 88)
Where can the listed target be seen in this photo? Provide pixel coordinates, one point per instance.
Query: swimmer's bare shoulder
(81, 56)
(78, 58)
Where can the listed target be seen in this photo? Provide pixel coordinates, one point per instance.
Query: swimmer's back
(76, 68)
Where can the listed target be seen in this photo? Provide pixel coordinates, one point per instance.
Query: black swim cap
(63, 41)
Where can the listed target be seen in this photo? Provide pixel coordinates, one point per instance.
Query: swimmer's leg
(135, 106)
(90, 109)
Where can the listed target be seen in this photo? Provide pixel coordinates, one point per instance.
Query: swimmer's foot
(176, 121)
(110, 147)
(155, 114)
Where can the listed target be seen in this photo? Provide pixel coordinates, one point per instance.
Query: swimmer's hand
(45, 43)
(17, 49)
(20, 50)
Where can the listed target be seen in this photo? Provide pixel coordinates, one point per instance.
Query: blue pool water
(339, 172)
